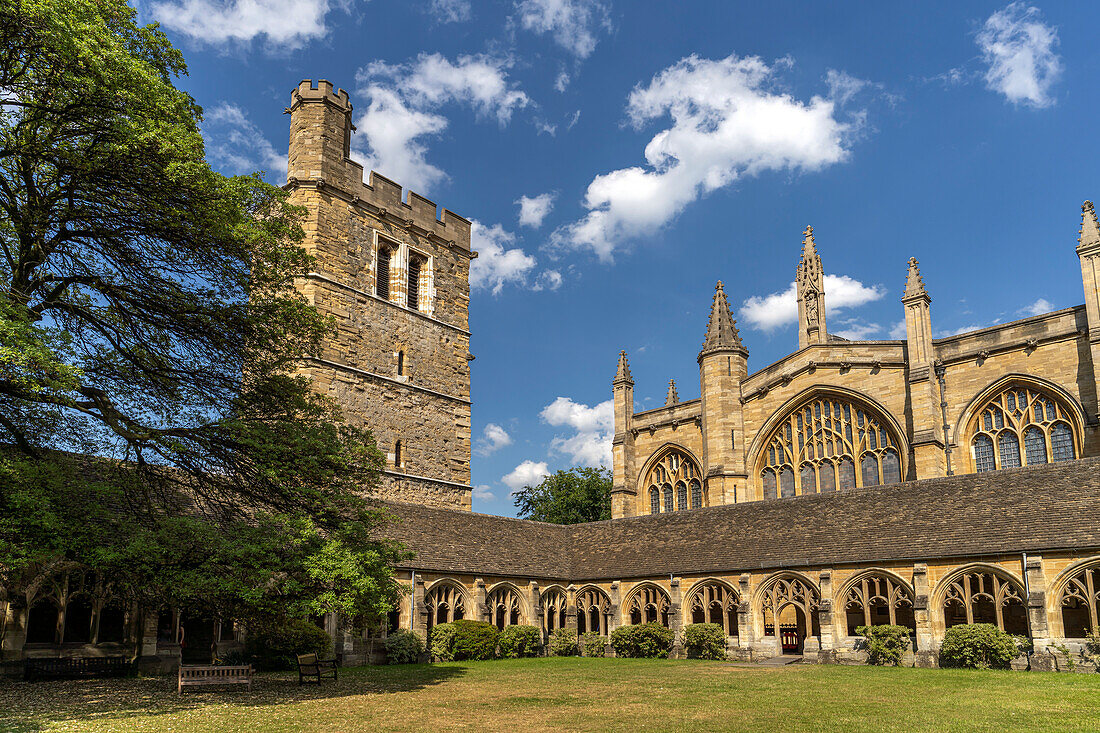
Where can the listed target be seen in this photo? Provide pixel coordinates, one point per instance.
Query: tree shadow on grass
(26, 707)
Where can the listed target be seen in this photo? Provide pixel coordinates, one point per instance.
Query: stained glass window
(1021, 411)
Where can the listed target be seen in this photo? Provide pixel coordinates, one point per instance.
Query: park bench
(313, 669)
(70, 667)
(209, 674)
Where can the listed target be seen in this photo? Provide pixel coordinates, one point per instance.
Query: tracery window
(650, 605)
(553, 610)
(1020, 412)
(445, 603)
(790, 604)
(817, 447)
(1080, 600)
(875, 600)
(674, 469)
(593, 611)
(983, 597)
(504, 607)
(714, 603)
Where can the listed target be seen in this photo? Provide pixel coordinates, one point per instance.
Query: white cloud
(574, 24)
(451, 11)
(527, 473)
(233, 141)
(404, 104)
(1019, 51)
(287, 24)
(482, 493)
(562, 82)
(728, 120)
(857, 330)
(1038, 308)
(497, 263)
(533, 209)
(769, 312)
(897, 331)
(548, 280)
(493, 438)
(573, 119)
(594, 427)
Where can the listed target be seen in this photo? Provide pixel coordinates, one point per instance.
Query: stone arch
(786, 605)
(980, 593)
(839, 467)
(1074, 603)
(690, 482)
(1069, 407)
(648, 603)
(555, 604)
(506, 604)
(593, 610)
(447, 600)
(882, 597)
(711, 600)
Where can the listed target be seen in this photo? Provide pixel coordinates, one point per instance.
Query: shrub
(885, 643)
(234, 658)
(977, 646)
(644, 641)
(473, 640)
(705, 641)
(593, 644)
(403, 647)
(520, 641)
(442, 642)
(563, 642)
(274, 645)
(1092, 647)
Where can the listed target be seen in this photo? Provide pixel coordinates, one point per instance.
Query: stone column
(419, 610)
(825, 620)
(534, 602)
(927, 645)
(1043, 657)
(15, 630)
(482, 610)
(614, 622)
(675, 619)
(571, 607)
(147, 633)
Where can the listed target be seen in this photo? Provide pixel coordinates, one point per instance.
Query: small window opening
(397, 459)
(415, 264)
(400, 363)
(382, 289)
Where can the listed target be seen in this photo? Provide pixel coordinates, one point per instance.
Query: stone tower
(811, 294)
(395, 276)
(723, 365)
(1088, 250)
(623, 491)
(928, 437)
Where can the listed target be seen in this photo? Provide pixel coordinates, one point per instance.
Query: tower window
(397, 457)
(415, 266)
(400, 363)
(382, 281)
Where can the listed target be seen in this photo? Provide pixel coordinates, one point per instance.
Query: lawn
(574, 694)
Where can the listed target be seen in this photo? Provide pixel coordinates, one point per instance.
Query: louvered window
(415, 266)
(382, 281)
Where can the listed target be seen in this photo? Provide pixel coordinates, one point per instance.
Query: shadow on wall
(27, 707)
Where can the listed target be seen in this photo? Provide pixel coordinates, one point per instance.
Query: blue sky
(619, 158)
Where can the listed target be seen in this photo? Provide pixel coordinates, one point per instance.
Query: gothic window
(553, 610)
(675, 468)
(696, 494)
(1021, 411)
(382, 279)
(42, 622)
(445, 603)
(593, 611)
(817, 448)
(416, 265)
(877, 599)
(983, 597)
(503, 607)
(78, 619)
(1080, 601)
(790, 604)
(714, 603)
(112, 623)
(650, 605)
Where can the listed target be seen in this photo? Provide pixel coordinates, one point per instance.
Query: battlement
(319, 160)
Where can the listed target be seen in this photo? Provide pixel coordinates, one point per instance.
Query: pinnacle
(672, 397)
(722, 331)
(914, 283)
(623, 372)
(809, 248)
(1090, 228)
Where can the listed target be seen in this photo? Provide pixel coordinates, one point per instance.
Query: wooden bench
(209, 674)
(70, 667)
(312, 668)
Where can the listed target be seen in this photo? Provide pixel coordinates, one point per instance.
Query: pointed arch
(667, 468)
(982, 593)
(447, 600)
(593, 610)
(711, 600)
(874, 597)
(1075, 598)
(554, 601)
(648, 603)
(787, 604)
(506, 603)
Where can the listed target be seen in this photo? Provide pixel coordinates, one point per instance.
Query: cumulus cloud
(728, 121)
(854, 329)
(451, 11)
(528, 473)
(483, 493)
(403, 111)
(493, 438)
(575, 25)
(533, 209)
(548, 280)
(769, 312)
(498, 263)
(238, 146)
(1018, 50)
(897, 331)
(1038, 308)
(286, 24)
(593, 426)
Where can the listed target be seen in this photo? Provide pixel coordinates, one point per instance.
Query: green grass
(574, 694)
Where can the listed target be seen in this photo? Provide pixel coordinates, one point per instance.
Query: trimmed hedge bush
(442, 641)
(563, 642)
(464, 640)
(705, 641)
(593, 644)
(275, 645)
(403, 647)
(977, 646)
(885, 643)
(642, 641)
(520, 641)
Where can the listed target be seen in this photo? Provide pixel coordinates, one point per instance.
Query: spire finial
(722, 334)
(1090, 228)
(914, 283)
(672, 398)
(622, 374)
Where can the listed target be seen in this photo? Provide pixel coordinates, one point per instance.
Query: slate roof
(1055, 507)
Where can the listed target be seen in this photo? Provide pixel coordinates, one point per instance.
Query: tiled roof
(1039, 509)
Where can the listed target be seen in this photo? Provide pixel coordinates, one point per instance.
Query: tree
(568, 497)
(148, 318)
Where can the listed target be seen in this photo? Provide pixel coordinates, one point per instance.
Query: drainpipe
(941, 371)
